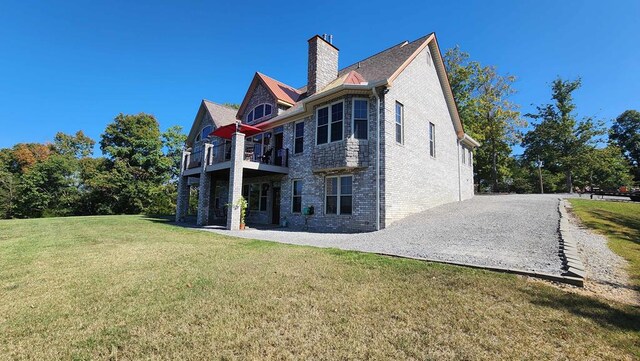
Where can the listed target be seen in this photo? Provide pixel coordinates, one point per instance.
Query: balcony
(218, 157)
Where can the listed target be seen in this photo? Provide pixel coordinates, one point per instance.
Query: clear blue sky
(70, 65)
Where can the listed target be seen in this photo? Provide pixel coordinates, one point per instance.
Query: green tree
(558, 139)
(173, 140)
(482, 96)
(604, 168)
(77, 146)
(137, 167)
(625, 133)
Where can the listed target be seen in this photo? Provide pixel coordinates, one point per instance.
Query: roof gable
(281, 92)
(219, 114)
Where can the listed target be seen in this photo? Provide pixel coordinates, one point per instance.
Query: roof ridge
(276, 80)
(218, 104)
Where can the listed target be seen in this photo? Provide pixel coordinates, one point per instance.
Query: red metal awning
(227, 131)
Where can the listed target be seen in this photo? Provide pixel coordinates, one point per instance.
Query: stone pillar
(204, 189)
(235, 180)
(182, 203)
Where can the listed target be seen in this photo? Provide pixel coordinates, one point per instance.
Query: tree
(173, 140)
(137, 167)
(77, 146)
(482, 96)
(625, 133)
(604, 168)
(559, 140)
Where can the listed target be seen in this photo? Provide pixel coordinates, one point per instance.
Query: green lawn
(620, 222)
(130, 287)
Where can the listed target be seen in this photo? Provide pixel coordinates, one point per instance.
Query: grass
(130, 287)
(620, 223)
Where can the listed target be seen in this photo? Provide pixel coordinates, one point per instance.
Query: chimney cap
(325, 40)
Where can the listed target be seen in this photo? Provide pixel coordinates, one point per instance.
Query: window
(329, 123)
(263, 196)
(399, 123)
(256, 196)
(206, 131)
(260, 111)
(296, 204)
(470, 160)
(298, 136)
(339, 195)
(432, 140)
(360, 118)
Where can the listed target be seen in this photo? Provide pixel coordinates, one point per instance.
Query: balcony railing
(219, 153)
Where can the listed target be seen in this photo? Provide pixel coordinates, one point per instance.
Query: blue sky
(70, 65)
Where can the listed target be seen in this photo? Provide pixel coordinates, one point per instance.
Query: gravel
(509, 231)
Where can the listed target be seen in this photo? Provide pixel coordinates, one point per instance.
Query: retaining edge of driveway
(568, 245)
(576, 281)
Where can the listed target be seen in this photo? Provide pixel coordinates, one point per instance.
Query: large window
(330, 123)
(399, 123)
(256, 196)
(464, 154)
(298, 141)
(360, 118)
(296, 204)
(432, 140)
(339, 195)
(259, 112)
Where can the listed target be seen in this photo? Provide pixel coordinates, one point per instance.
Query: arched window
(206, 131)
(259, 112)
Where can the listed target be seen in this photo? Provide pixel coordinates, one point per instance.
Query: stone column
(235, 180)
(204, 189)
(182, 203)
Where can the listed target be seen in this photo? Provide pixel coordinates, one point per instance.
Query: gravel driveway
(509, 231)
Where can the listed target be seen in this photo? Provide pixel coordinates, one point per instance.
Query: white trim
(435, 152)
(338, 194)
(353, 117)
(329, 122)
(293, 196)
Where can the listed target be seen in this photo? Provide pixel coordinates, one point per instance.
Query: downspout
(459, 175)
(375, 93)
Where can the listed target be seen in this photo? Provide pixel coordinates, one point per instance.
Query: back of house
(355, 149)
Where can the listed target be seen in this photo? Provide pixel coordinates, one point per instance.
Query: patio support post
(235, 180)
(204, 190)
(182, 204)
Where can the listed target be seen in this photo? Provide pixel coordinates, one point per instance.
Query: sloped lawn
(130, 287)
(620, 223)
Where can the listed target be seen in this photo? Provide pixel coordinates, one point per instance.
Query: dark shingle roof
(222, 115)
(383, 64)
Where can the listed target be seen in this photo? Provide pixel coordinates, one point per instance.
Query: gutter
(459, 174)
(280, 119)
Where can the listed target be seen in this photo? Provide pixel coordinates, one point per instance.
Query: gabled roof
(280, 91)
(384, 64)
(222, 115)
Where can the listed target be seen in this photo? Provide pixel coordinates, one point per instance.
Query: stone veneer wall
(415, 181)
(317, 162)
(322, 66)
(260, 96)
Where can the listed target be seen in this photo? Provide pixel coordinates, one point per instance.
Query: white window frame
(464, 154)
(401, 123)
(330, 123)
(293, 194)
(432, 139)
(338, 194)
(295, 136)
(263, 114)
(353, 118)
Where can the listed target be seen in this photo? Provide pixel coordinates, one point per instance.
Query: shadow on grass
(624, 318)
(631, 230)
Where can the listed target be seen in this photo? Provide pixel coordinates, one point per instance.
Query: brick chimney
(323, 63)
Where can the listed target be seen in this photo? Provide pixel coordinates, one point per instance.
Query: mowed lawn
(620, 223)
(130, 287)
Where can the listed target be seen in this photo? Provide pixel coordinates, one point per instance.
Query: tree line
(562, 152)
(137, 172)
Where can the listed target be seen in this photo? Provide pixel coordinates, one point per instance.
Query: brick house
(354, 150)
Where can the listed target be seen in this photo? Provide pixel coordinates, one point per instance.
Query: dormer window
(206, 131)
(259, 112)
